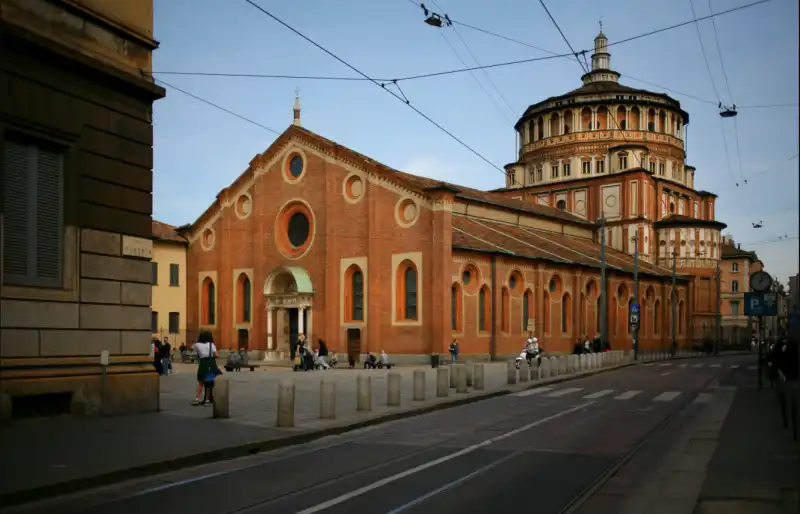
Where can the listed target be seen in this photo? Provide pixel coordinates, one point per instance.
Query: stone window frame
(68, 289)
(237, 209)
(456, 308)
(484, 310)
(345, 294)
(526, 308)
(402, 202)
(293, 151)
(239, 321)
(203, 320)
(347, 184)
(400, 263)
(281, 234)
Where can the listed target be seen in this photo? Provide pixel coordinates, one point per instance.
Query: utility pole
(603, 292)
(674, 303)
(717, 319)
(635, 291)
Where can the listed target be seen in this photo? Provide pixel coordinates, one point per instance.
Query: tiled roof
(421, 184)
(164, 232)
(494, 237)
(732, 252)
(682, 220)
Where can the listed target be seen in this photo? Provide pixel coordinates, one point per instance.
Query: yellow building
(735, 269)
(76, 154)
(168, 316)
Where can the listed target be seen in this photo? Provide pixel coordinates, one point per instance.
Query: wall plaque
(137, 247)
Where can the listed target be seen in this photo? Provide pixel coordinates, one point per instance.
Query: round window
(298, 229)
(466, 277)
(296, 166)
(512, 282)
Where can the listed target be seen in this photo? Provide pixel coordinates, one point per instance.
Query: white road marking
(388, 480)
(667, 396)
(530, 392)
(564, 392)
(627, 395)
(665, 364)
(716, 365)
(682, 366)
(665, 374)
(753, 368)
(697, 365)
(734, 366)
(704, 398)
(598, 394)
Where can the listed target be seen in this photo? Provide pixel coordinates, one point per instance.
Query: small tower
(601, 62)
(296, 120)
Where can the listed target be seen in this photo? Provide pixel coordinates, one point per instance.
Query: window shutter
(173, 274)
(16, 202)
(49, 216)
(154, 270)
(153, 322)
(174, 322)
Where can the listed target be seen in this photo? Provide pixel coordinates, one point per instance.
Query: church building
(316, 238)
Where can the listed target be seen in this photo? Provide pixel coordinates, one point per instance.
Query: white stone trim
(201, 276)
(364, 183)
(249, 197)
(235, 303)
(416, 258)
(398, 215)
(344, 264)
(290, 151)
(312, 235)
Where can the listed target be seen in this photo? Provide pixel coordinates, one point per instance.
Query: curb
(243, 450)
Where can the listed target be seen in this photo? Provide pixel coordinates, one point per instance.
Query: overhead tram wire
(212, 104)
(382, 86)
(730, 94)
(770, 169)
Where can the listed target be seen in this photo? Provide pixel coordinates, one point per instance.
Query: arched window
(555, 120)
(244, 300)
(546, 326)
(561, 205)
(657, 317)
(651, 120)
(586, 119)
(357, 286)
(526, 311)
(539, 129)
(407, 289)
(455, 307)
(598, 313)
(681, 306)
(484, 314)
(582, 314)
(566, 313)
(602, 118)
(634, 119)
(612, 315)
(208, 306)
(505, 313)
(353, 283)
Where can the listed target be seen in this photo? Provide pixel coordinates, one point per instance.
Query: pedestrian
(207, 369)
(166, 358)
(454, 351)
(155, 353)
(322, 355)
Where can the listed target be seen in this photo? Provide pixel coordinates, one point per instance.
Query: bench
(238, 367)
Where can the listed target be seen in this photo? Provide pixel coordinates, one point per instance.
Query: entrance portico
(289, 295)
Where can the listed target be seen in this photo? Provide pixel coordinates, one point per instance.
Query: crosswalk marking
(697, 365)
(627, 395)
(734, 366)
(564, 392)
(665, 364)
(682, 365)
(531, 392)
(598, 394)
(704, 398)
(666, 396)
(716, 365)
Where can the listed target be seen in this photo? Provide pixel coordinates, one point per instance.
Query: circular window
(561, 205)
(296, 166)
(299, 229)
(207, 239)
(294, 229)
(243, 206)
(470, 278)
(406, 212)
(353, 188)
(512, 282)
(515, 281)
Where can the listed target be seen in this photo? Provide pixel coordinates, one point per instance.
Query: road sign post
(760, 304)
(633, 321)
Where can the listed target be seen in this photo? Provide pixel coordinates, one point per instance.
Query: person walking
(322, 355)
(207, 369)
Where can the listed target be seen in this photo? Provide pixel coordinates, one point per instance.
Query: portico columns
(300, 312)
(308, 325)
(270, 341)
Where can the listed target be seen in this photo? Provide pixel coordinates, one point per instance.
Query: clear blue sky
(200, 149)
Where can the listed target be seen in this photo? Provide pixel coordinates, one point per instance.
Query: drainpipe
(493, 341)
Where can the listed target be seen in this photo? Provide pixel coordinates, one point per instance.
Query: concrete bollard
(524, 372)
(470, 369)
(562, 365)
(461, 379)
(478, 377)
(221, 408)
(582, 362)
(574, 363)
(286, 404)
(442, 382)
(419, 385)
(545, 368)
(511, 373)
(393, 389)
(453, 376)
(364, 393)
(327, 399)
(554, 370)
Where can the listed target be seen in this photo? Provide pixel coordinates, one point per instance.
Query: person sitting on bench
(384, 360)
(370, 362)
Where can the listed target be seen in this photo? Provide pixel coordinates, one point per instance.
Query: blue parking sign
(760, 304)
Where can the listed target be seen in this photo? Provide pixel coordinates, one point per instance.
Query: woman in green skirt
(207, 369)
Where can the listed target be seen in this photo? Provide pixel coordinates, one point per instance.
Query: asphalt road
(541, 450)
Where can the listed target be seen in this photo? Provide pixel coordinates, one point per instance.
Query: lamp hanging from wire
(727, 111)
(435, 19)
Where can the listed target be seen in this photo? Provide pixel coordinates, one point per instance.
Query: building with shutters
(316, 238)
(76, 157)
(735, 269)
(168, 312)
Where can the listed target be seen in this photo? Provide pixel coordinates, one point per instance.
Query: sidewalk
(52, 456)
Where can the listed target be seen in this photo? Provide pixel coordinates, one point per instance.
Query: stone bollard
(582, 362)
(327, 399)
(573, 364)
(478, 377)
(524, 372)
(364, 393)
(461, 379)
(442, 382)
(221, 408)
(562, 365)
(453, 376)
(393, 389)
(286, 404)
(470, 368)
(419, 385)
(545, 368)
(511, 373)
(554, 371)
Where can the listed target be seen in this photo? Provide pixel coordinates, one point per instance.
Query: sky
(200, 149)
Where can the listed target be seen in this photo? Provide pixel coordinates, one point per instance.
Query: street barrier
(442, 382)
(479, 384)
(393, 389)
(470, 370)
(364, 393)
(327, 399)
(511, 373)
(419, 385)
(461, 379)
(524, 372)
(286, 404)
(222, 399)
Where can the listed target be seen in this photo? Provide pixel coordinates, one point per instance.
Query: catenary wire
(429, 119)
(212, 104)
(770, 169)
